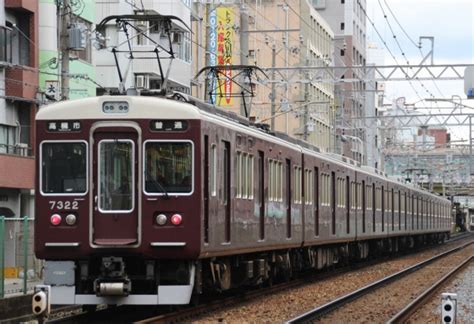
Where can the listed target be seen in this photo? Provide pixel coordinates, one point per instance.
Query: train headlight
(71, 219)
(161, 219)
(176, 219)
(55, 219)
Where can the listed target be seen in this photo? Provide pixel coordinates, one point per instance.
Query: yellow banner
(225, 43)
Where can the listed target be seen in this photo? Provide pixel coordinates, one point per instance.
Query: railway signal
(448, 308)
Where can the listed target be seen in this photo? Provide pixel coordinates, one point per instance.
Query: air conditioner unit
(21, 149)
(142, 81)
(177, 38)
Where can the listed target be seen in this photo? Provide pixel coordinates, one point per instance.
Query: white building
(144, 73)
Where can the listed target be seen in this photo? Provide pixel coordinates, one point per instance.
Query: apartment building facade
(18, 104)
(348, 21)
(281, 34)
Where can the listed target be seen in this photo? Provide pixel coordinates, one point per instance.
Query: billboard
(221, 42)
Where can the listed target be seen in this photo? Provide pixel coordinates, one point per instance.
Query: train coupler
(104, 288)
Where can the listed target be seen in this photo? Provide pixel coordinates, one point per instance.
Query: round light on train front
(176, 219)
(161, 219)
(71, 219)
(55, 219)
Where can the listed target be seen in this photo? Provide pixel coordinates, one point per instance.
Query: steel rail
(408, 310)
(337, 303)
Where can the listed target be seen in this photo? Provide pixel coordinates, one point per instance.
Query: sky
(450, 22)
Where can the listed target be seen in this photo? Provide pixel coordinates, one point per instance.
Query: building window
(5, 44)
(342, 26)
(343, 52)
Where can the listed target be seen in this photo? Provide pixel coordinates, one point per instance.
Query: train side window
(278, 184)
(250, 170)
(213, 172)
(238, 175)
(368, 197)
(271, 179)
(297, 190)
(378, 199)
(360, 194)
(244, 176)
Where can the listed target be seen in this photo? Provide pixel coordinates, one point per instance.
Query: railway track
(152, 315)
(411, 308)
(330, 307)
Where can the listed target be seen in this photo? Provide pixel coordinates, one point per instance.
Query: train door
(226, 189)
(115, 163)
(261, 193)
(333, 202)
(288, 198)
(207, 179)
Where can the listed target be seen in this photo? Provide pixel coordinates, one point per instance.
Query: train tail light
(55, 219)
(176, 219)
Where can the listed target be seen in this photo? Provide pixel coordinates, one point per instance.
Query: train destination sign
(64, 126)
(169, 125)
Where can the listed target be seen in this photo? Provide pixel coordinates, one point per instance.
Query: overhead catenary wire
(403, 52)
(388, 48)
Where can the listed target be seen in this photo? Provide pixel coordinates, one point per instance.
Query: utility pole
(273, 95)
(64, 46)
(244, 47)
(306, 108)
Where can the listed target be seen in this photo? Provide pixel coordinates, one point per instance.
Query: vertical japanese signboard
(221, 42)
(212, 46)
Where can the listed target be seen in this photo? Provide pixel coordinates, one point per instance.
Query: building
(81, 65)
(373, 107)
(144, 73)
(280, 34)
(18, 104)
(348, 21)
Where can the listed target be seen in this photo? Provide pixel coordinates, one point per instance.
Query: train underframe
(224, 273)
(109, 279)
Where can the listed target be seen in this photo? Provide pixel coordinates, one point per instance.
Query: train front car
(118, 200)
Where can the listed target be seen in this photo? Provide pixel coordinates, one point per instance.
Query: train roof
(140, 107)
(143, 107)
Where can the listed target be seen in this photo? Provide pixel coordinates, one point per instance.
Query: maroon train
(145, 200)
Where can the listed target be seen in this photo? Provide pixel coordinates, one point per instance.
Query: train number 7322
(63, 205)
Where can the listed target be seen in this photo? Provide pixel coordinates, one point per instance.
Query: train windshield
(168, 167)
(63, 167)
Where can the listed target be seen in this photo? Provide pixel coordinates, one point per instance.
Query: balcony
(21, 83)
(17, 171)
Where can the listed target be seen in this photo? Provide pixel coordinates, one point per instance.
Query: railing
(18, 149)
(24, 221)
